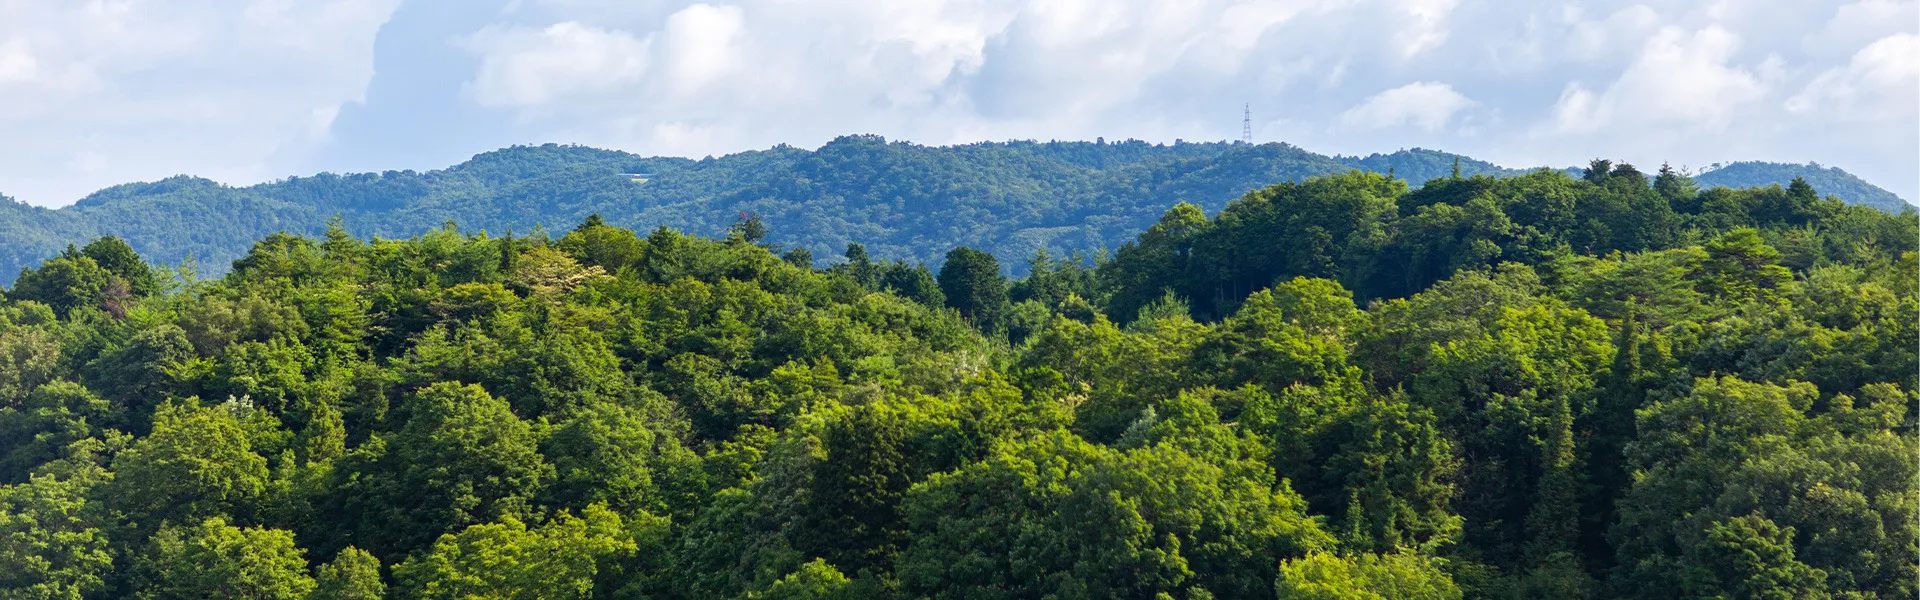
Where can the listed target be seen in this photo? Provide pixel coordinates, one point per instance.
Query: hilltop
(902, 200)
(1829, 180)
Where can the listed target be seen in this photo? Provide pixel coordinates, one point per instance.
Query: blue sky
(99, 92)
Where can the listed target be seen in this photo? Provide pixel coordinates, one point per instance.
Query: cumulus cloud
(244, 90)
(1425, 28)
(1426, 105)
(96, 93)
(524, 67)
(1679, 78)
(16, 65)
(1877, 85)
(1850, 24)
(700, 40)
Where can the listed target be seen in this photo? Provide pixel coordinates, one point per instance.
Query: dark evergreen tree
(973, 285)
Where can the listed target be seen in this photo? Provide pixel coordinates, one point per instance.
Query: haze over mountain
(904, 201)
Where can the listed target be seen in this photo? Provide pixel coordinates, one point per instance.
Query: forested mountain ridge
(1542, 386)
(902, 200)
(1829, 180)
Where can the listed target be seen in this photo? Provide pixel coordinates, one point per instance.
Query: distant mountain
(1421, 165)
(1828, 180)
(902, 200)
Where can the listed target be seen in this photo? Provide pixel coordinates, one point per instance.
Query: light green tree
(50, 541)
(197, 463)
(1059, 516)
(1396, 576)
(213, 559)
(508, 560)
(353, 575)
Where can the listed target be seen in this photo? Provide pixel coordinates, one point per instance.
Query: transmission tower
(1246, 124)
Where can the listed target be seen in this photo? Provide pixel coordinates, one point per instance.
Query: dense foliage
(902, 201)
(1829, 180)
(1535, 386)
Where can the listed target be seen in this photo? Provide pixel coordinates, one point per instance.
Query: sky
(99, 92)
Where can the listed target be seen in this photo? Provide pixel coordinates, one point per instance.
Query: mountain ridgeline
(1829, 180)
(1603, 385)
(903, 201)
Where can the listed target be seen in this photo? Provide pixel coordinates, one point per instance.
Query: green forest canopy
(1536, 386)
(903, 201)
(1829, 180)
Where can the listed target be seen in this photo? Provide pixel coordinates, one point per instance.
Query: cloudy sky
(98, 92)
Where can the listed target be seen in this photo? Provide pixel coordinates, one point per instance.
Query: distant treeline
(903, 201)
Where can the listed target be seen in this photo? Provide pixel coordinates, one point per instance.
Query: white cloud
(1890, 62)
(948, 71)
(16, 64)
(1862, 20)
(1576, 112)
(1686, 77)
(1881, 83)
(106, 91)
(521, 67)
(1680, 78)
(103, 92)
(320, 122)
(1426, 105)
(1424, 29)
(700, 45)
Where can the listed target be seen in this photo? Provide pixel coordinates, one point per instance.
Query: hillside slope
(1829, 180)
(904, 201)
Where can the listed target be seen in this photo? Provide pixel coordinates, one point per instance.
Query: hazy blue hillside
(1420, 165)
(902, 200)
(1829, 180)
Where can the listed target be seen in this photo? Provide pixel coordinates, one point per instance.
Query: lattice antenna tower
(1246, 124)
